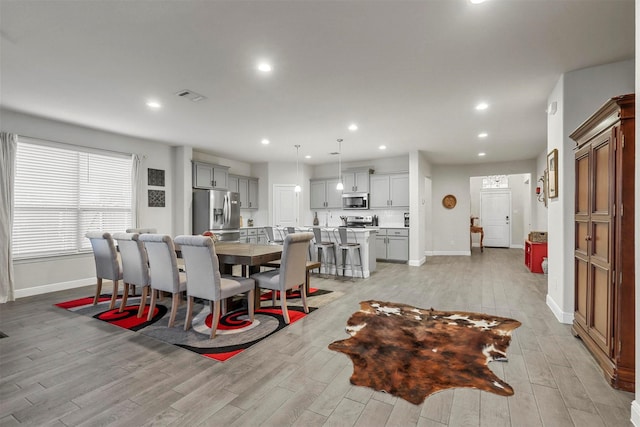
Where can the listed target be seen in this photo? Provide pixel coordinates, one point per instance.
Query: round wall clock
(449, 201)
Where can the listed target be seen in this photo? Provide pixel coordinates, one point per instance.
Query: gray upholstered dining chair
(142, 230)
(205, 281)
(163, 271)
(292, 272)
(107, 265)
(135, 265)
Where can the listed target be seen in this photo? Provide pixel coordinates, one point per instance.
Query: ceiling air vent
(190, 95)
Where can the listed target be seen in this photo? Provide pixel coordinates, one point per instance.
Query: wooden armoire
(604, 238)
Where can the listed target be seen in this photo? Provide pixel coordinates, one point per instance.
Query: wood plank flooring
(62, 369)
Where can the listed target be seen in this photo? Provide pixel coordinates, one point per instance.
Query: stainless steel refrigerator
(217, 211)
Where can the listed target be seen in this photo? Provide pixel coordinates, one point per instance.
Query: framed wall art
(155, 177)
(552, 167)
(156, 198)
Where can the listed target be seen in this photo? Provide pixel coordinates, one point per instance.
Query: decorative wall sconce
(541, 192)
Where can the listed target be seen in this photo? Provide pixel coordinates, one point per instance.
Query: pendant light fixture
(297, 189)
(340, 186)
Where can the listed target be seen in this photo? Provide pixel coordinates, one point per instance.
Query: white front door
(495, 217)
(285, 206)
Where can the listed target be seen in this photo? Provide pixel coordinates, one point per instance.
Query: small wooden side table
(475, 229)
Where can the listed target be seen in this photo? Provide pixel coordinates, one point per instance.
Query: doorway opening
(501, 205)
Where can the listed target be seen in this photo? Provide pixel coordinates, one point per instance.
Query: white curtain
(8, 146)
(135, 181)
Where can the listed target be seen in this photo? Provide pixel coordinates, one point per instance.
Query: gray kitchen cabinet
(243, 189)
(249, 235)
(356, 181)
(262, 237)
(233, 183)
(392, 244)
(253, 193)
(389, 191)
(210, 176)
(323, 194)
(247, 187)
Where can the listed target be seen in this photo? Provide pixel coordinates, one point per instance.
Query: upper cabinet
(356, 181)
(210, 176)
(389, 191)
(323, 194)
(247, 187)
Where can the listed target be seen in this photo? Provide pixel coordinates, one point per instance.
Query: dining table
(249, 255)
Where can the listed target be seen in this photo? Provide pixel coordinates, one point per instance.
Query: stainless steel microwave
(355, 201)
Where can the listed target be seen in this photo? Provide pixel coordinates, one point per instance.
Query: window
(495, 181)
(63, 191)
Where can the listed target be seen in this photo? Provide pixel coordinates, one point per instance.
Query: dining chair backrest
(142, 230)
(293, 268)
(163, 263)
(105, 255)
(202, 266)
(135, 262)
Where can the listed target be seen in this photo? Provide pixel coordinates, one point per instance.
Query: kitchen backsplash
(386, 218)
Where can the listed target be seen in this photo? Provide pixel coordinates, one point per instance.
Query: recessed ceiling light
(477, 1)
(307, 156)
(353, 127)
(265, 141)
(482, 106)
(482, 154)
(264, 67)
(483, 135)
(153, 104)
(382, 147)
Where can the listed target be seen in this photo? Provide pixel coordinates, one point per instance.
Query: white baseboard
(417, 262)
(635, 413)
(562, 316)
(517, 246)
(451, 253)
(53, 287)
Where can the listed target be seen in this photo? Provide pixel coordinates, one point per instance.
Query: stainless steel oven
(355, 201)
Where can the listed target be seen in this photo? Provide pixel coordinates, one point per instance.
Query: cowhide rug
(412, 352)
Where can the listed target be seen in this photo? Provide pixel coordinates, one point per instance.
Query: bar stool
(350, 248)
(323, 248)
(271, 236)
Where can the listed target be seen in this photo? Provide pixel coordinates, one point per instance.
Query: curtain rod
(80, 146)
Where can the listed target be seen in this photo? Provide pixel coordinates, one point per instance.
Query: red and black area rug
(413, 352)
(235, 333)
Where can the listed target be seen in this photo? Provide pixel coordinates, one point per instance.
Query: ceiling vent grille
(191, 95)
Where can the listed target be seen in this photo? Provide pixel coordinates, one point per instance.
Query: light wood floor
(59, 368)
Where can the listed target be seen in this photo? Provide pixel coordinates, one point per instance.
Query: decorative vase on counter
(545, 265)
(315, 219)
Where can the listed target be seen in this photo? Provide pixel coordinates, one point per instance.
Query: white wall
(419, 210)
(578, 95)
(55, 273)
(451, 226)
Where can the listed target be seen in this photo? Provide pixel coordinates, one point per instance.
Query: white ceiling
(407, 72)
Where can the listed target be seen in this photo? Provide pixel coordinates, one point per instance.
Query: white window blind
(61, 192)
